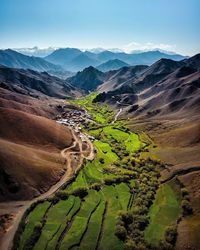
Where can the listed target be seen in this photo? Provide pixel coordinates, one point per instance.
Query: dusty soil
(189, 227)
(30, 154)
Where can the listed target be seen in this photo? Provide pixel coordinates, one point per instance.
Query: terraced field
(109, 202)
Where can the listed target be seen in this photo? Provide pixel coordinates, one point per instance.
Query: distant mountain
(11, 58)
(88, 79)
(82, 61)
(35, 84)
(111, 65)
(166, 88)
(178, 94)
(120, 77)
(35, 51)
(63, 56)
(150, 57)
(76, 60)
(14, 59)
(73, 59)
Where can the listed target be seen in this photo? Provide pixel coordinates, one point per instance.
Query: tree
(120, 232)
(101, 160)
(126, 217)
(130, 245)
(171, 234)
(81, 192)
(61, 194)
(187, 208)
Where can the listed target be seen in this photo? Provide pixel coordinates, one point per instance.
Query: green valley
(115, 201)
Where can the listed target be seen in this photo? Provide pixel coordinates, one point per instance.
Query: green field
(66, 219)
(109, 240)
(91, 236)
(164, 212)
(100, 113)
(116, 183)
(54, 221)
(32, 219)
(80, 223)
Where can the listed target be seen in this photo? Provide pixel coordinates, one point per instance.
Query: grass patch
(72, 212)
(123, 192)
(33, 218)
(89, 241)
(163, 213)
(55, 218)
(109, 240)
(79, 225)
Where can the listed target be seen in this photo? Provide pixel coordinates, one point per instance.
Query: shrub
(130, 245)
(61, 194)
(120, 232)
(101, 160)
(109, 181)
(96, 186)
(185, 194)
(54, 199)
(80, 192)
(163, 245)
(171, 234)
(187, 208)
(126, 217)
(30, 243)
(142, 221)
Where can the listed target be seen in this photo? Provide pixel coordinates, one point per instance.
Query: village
(74, 118)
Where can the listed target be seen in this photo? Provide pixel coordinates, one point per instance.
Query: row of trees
(131, 224)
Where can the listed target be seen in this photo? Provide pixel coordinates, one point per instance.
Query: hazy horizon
(126, 25)
(93, 49)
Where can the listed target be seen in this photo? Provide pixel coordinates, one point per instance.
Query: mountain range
(14, 59)
(35, 84)
(75, 59)
(163, 88)
(166, 87)
(62, 62)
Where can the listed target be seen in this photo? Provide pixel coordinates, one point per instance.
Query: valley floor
(115, 199)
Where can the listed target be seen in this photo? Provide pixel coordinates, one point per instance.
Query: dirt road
(19, 207)
(116, 116)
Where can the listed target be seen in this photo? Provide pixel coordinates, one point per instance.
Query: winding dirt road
(116, 116)
(19, 207)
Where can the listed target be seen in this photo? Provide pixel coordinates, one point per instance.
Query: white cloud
(135, 46)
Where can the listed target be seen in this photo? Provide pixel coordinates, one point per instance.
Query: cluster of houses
(73, 118)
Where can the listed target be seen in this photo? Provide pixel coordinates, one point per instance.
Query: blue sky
(125, 24)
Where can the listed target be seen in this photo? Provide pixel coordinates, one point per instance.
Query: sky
(171, 25)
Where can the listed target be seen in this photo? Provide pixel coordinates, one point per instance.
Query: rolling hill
(30, 141)
(29, 154)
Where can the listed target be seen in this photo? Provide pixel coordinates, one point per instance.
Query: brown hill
(46, 106)
(35, 84)
(29, 153)
(119, 77)
(177, 94)
(166, 88)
